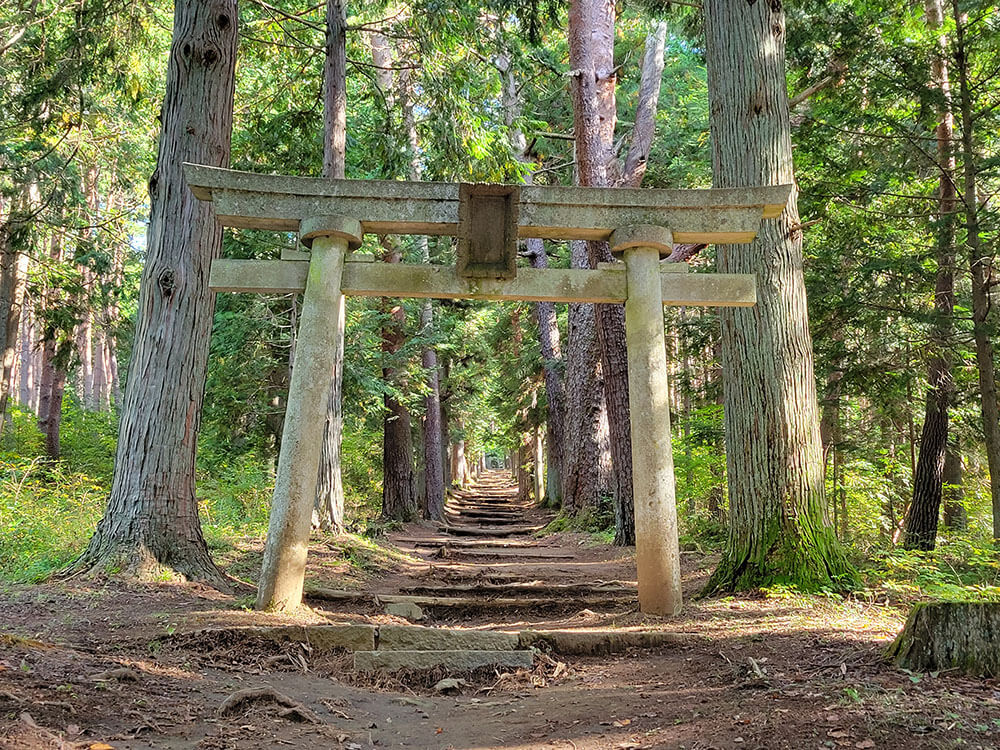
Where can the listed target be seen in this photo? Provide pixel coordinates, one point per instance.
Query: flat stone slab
(320, 637)
(598, 642)
(406, 610)
(455, 661)
(403, 638)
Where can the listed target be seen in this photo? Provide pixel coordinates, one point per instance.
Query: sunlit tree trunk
(979, 264)
(151, 520)
(779, 525)
(329, 507)
(591, 52)
(922, 518)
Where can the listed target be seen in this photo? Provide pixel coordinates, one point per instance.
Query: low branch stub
(642, 235)
(333, 225)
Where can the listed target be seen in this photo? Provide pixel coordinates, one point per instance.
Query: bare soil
(98, 664)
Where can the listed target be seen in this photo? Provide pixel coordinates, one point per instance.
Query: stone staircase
(487, 581)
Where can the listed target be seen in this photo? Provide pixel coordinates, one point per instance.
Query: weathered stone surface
(963, 636)
(455, 661)
(403, 638)
(406, 610)
(320, 637)
(275, 202)
(596, 642)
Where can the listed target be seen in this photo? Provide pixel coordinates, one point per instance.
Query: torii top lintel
(277, 202)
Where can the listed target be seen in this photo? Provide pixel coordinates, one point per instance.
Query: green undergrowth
(48, 509)
(962, 568)
(597, 524)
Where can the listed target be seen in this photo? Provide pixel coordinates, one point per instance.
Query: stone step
(522, 589)
(459, 530)
(452, 660)
(506, 554)
(471, 603)
(415, 638)
(441, 541)
(456, 518)
(478, 510)
(598, 642)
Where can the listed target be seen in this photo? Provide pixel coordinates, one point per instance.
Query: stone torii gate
(331, 216)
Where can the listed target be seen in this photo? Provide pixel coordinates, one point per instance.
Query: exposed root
(292, 710)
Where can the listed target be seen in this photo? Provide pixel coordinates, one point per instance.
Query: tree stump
(960, 636)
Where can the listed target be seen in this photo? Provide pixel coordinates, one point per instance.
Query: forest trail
(485, 566)
(540, 637)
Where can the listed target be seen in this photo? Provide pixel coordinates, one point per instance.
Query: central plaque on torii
(331, 217)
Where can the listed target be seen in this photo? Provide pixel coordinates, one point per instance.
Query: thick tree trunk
(591, 45)
(583, 471)
(779, 525)
(151, 520)
(979, 263)
(329, 508)
(952, 636)
(398, 501)
(922, 519)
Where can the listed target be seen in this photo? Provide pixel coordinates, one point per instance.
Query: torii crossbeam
(331, 216)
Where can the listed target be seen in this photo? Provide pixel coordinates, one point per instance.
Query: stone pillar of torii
(332, 216)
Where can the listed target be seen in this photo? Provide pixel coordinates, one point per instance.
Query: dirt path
(133, 667)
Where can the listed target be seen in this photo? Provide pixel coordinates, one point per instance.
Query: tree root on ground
(292, 710)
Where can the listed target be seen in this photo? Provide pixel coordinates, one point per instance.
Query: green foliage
(48, 509)
(963, 569)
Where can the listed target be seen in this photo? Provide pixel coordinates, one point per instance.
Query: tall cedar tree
(329, 483)
(779, 527)
(922, 515)
(593, 74)
(151, 520)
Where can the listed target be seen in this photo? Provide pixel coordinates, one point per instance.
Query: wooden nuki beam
(277, 202)
(531, 284)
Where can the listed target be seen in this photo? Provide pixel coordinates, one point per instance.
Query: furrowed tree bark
(979, 264)
(151, 520)
(922, 517)
(398, 501)
(585, 474)
(779, 525)
(591, 42)
(398, 497)
(329, 508)
(591, 52)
